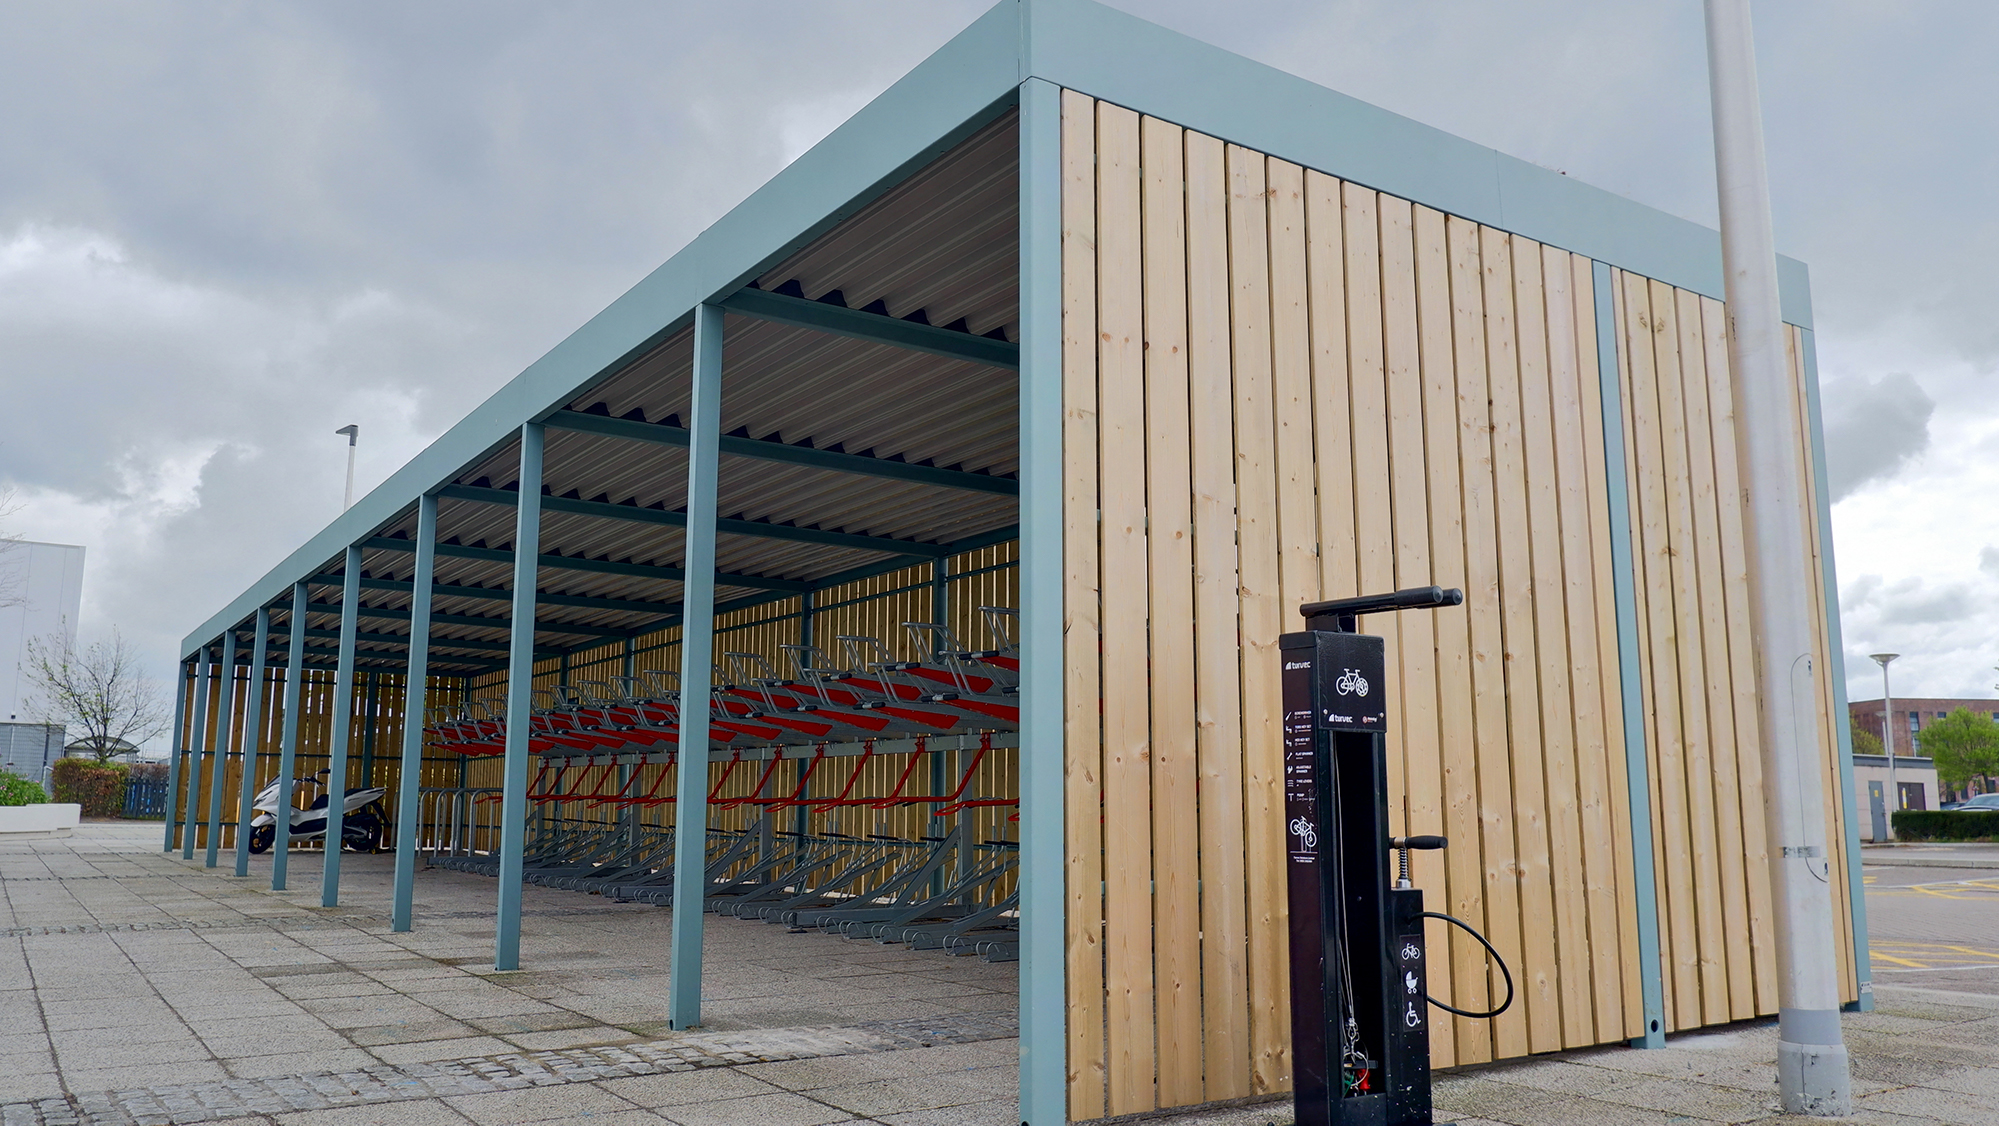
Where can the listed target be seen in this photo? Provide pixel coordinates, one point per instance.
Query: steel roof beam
(838, 461)
(321, 657)
(476, 621)
(876, 328)
(569, 563)
(436, 642)
(499, 594)
(604, 510)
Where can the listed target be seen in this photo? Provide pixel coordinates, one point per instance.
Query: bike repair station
(912, 563)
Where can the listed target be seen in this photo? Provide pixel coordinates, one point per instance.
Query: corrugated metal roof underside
(942, 247)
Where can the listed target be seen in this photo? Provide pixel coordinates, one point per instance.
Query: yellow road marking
(1898, 961)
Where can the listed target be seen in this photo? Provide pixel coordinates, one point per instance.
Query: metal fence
(145, 800)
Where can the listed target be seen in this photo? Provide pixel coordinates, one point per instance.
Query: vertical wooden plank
(1413, 732)
(1732, 537)
(1127, 747)
(1497, 850)
(1169, 485)
(1723, 780)
(1591, 869)
(1538, 979)
(1534, 298)
(1367, 375)
(1699, 741)
(1260, 623)
(1332, 422)
(1291, 387)
(1606, 812)
(1225, 989)
(1082, 737)
(1652, 555)
(1456, 779)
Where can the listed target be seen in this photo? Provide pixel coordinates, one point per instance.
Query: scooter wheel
(262, 836)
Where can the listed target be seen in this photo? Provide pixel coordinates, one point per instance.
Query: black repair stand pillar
(1360, 1030)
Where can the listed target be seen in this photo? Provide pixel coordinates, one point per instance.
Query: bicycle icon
(1306, 832)
(1351, 683)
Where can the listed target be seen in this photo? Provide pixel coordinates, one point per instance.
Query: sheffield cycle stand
(1359, 1005)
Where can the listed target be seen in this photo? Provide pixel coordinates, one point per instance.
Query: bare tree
(100, 689)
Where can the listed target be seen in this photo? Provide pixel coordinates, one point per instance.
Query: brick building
(1915, 773)
(1911, 716)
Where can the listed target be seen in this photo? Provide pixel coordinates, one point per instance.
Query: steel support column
(253, 739)
(1044, 1026)
(196, 736)
(281, 844)
(1638, 783)
(415, 696)
(225, 723)
(343, 727)
(520, 702)
(183, 688)
(697, 645)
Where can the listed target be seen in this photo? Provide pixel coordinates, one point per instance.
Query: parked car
(1977, 802)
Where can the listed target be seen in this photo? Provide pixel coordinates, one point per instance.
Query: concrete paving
(138, 987)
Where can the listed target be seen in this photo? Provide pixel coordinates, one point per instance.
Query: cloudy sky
(228, 228)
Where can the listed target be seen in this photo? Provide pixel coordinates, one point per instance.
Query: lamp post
(1812, 1064)
(353, 433)
(1888, 738)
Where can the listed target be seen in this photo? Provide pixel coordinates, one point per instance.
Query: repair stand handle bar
(1343, 612)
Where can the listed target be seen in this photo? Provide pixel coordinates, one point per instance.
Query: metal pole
(182, 689)
(281, 844)
(225, 723)
(197, 734)
(697, 644)
(1888, 738)
(1044, 1027)
(415, 695)
(1812, 1067)
(343, 726)
(253, 739)
(520, 701)
(353, 435)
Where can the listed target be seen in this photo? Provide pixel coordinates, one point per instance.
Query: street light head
(1882, 659)
(352, 431)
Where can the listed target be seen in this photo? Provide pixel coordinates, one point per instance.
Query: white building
(41, 594)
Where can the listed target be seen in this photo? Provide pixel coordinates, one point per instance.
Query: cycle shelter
(910, 560)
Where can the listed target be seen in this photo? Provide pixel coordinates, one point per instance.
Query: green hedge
(99, 787)
(1942, 825)
(16, 790)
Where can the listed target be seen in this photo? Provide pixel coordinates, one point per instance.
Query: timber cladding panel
(1696, 658)
(1280, 387)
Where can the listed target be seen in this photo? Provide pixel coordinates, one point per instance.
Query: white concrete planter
(49, 819)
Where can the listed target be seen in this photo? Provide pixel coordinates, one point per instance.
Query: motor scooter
(362, 822)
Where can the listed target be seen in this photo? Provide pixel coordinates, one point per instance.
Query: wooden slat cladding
(1330, 392)
(1696, 658)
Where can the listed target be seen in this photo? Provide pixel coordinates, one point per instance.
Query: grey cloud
(379, 212)
(1873, 427)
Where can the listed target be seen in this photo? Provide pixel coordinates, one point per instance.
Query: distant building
(1915, 773)
(43, 586)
